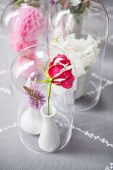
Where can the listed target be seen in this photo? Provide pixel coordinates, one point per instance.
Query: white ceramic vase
(49, 139)
(31, 121)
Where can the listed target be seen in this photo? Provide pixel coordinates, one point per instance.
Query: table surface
(93, 130)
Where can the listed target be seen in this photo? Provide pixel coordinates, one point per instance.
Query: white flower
(82, 52)
(75, 2)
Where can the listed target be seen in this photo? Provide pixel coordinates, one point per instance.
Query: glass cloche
(25, 23)
(80, 29)
(47, 82)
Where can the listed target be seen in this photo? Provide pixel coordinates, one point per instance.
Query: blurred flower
(60, 71)
(79, 6)
(36, 98)
(26, 27)
(76, 7)
(52, 1)
(18, 43)
(75, 2)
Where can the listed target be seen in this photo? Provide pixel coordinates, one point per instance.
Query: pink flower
(26, 27)
(36, 95)
(31, 23)
(60, 71)
(18, 43)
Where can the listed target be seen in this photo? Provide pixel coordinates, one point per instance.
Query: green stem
(49, 81)
(49, 95)
(42, 81)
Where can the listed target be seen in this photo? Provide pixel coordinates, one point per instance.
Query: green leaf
(19, 2)
(80, 8)
(34, 4)
(30, 3)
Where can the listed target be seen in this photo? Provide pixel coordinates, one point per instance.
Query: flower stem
(42, 81)
(49, 81)
(49, 94)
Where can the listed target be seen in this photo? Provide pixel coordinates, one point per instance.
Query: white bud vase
(49, 139)
(31, 121)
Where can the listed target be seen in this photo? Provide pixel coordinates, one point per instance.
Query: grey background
(82, 153)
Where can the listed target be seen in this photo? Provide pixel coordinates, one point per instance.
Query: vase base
(48, 148)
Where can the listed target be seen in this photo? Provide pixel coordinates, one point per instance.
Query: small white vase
(31, 121)
(49, 139)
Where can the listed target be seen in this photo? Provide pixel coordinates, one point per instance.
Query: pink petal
(68, 82)
(54, 70)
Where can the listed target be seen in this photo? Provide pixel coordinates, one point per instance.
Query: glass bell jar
(80, 29)
(46, 82)
(25, 23)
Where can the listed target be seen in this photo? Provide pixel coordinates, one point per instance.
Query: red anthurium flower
(60, 71)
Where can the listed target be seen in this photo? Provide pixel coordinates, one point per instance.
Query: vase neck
(48, 118)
